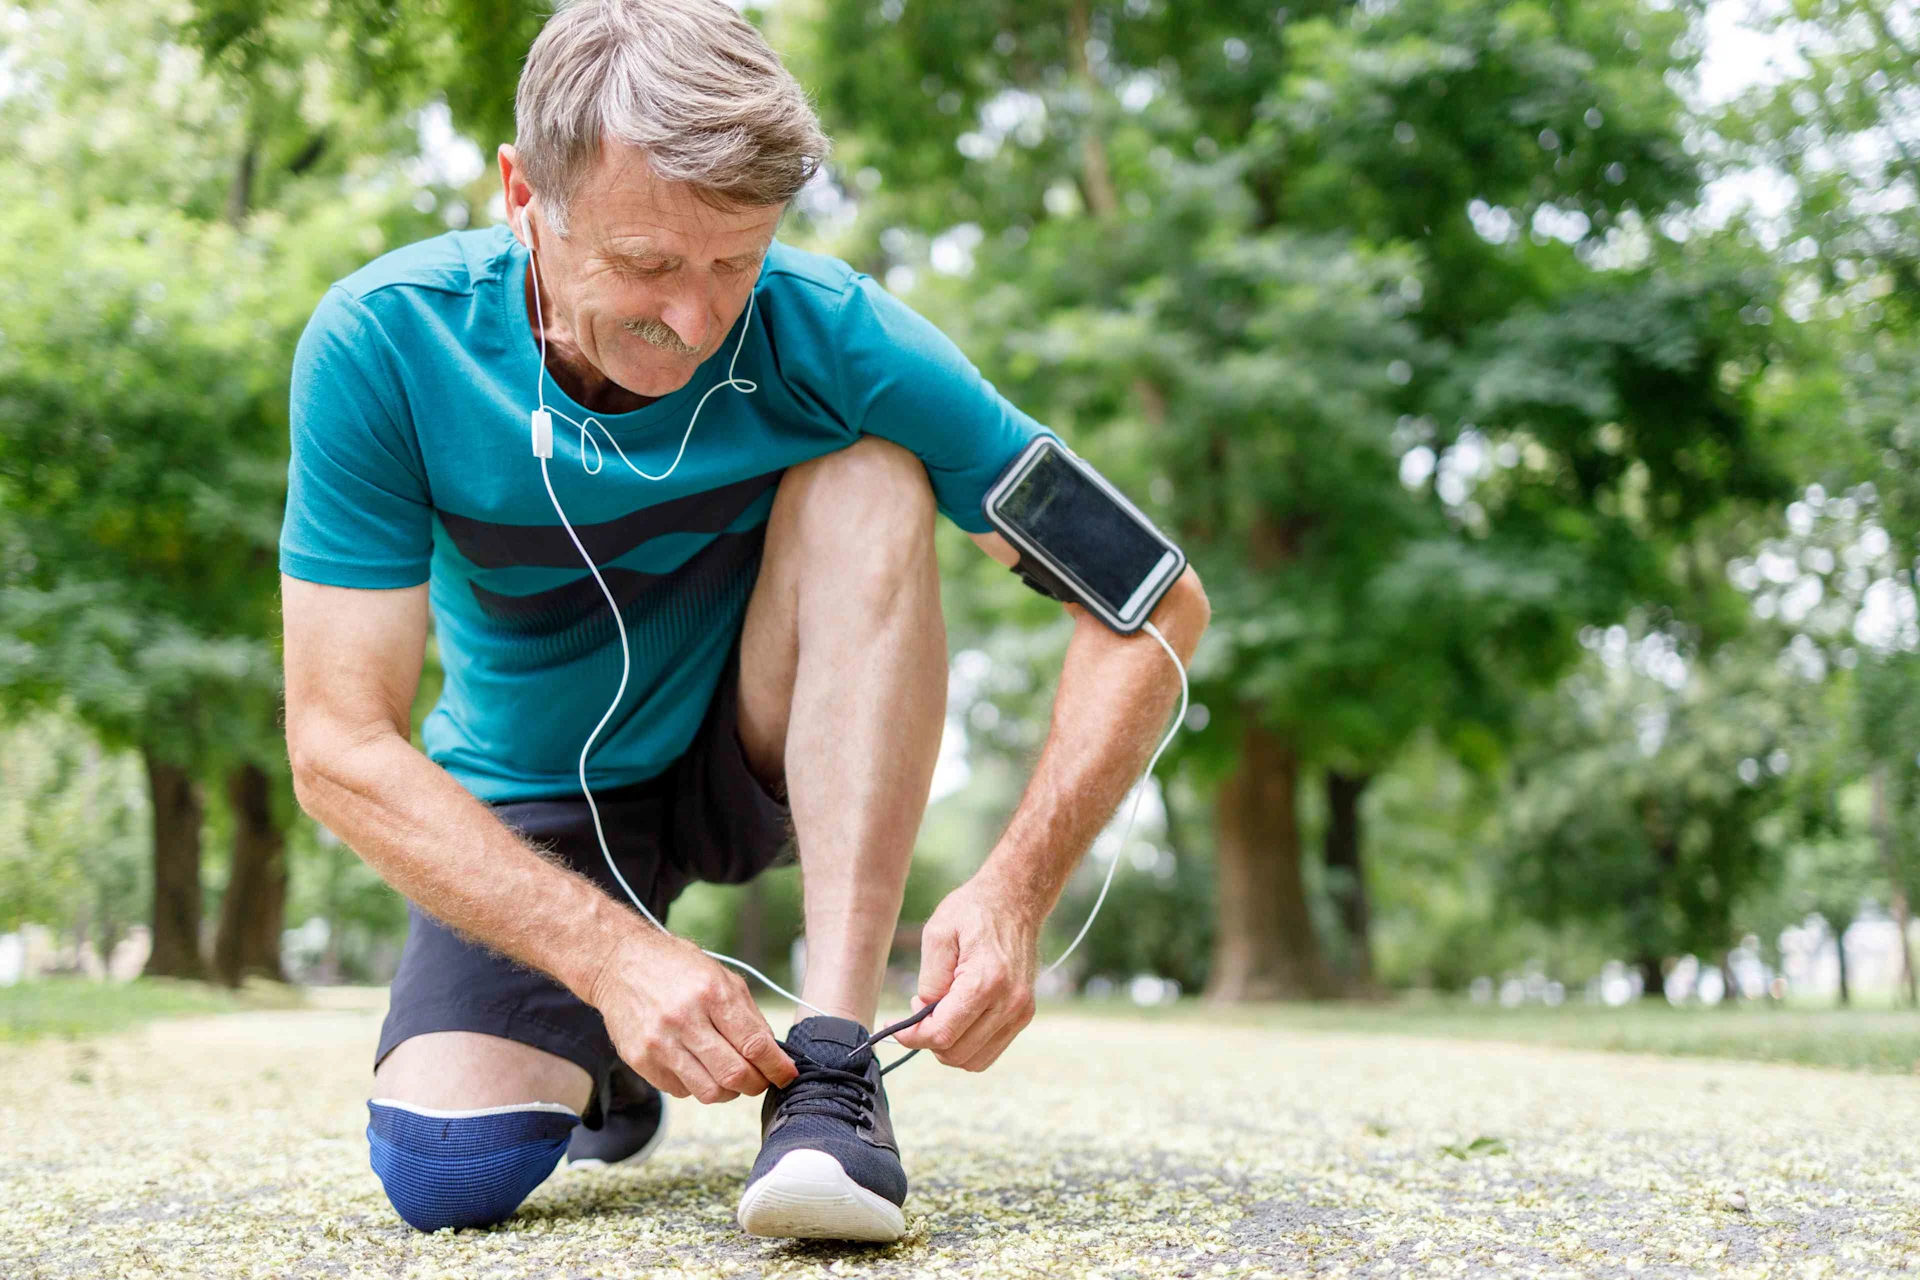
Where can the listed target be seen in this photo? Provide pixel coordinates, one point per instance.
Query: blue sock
(464, 1168)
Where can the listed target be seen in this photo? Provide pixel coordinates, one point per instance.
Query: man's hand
(688, 1026)
(978, 954)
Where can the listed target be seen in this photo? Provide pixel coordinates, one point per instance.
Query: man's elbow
(319, 757)
(309, 764)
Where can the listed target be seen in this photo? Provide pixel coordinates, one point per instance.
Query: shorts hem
(495, 1019)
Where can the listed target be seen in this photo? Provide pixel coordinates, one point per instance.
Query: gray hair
(689, 82)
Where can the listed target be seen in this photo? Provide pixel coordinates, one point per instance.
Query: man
(783, 629)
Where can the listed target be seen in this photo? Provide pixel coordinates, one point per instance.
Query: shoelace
(823, 1090)
(820, 1089)
(901, 1025)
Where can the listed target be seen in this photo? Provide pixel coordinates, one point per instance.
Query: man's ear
(516, 219)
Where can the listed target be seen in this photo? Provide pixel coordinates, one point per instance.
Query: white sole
(808, 1196)
(590, 1164)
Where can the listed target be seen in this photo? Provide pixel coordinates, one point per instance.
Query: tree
(1652, 800)
(154, 302)
(1369, 305)
(71, 856)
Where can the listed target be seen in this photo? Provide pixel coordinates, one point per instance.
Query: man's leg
(456, 1070)
(462, 1125)
(843, 691)
(484, 1067)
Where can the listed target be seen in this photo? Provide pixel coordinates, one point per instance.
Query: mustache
(658, 333)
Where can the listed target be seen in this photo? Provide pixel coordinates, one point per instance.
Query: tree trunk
(240, 191)
(1839, 931)
(1653, 982)
(1348, 877)
(1096, 177)
(176, 871)
(751, 926)
(1265, 948)
(254, 909)
(1890, 860)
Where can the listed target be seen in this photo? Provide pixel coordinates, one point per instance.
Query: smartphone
(1079, 538)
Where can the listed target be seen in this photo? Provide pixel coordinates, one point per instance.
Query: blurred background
(1533, 385)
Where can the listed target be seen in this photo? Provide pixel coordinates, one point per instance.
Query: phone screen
(1084, 530)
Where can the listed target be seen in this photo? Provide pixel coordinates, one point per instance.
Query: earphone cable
(746, 385)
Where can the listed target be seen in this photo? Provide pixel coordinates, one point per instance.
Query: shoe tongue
(828, 1041)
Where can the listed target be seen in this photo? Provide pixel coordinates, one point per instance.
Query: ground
(231, 1146)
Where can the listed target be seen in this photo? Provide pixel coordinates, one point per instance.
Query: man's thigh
(459, 1070)
(828, 512)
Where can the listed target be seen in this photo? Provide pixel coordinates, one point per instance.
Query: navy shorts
(707, 817)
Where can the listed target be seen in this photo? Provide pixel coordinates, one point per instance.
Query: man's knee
(871, 493)
(464, 1168)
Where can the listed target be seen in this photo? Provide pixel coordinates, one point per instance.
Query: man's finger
(939, 957)
(723, 1062)
(1004, 1037)
(665, 1081)
(959, 1009)
(753, 1039)
(979, 1037)
(724, 1048)
(699, 1081)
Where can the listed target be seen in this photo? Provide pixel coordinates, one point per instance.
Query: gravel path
(232, 1147)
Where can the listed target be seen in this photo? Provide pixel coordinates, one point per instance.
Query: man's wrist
(1015, 891)
(607, 937)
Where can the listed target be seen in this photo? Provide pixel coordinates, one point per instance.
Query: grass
(1874, 1039)
(1882, 1040)
(75, 1007)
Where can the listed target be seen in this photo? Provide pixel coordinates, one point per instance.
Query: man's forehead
(633, 213)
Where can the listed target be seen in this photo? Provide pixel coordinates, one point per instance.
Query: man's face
(651, 277)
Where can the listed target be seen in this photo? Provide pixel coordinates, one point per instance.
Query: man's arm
(353, 662)
(979, 951)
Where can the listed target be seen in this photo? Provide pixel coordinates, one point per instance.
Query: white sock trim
(557, 1108)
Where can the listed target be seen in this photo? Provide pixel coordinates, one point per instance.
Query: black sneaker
(829, 1168)
(634, 1122)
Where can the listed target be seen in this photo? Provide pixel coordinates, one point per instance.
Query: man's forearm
(429, 838)
(1110, 712)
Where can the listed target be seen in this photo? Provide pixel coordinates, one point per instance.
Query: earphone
(541, 422)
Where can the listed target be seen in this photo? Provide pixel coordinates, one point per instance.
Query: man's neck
(591, 389)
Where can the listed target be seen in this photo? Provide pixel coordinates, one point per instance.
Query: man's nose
(689, 312)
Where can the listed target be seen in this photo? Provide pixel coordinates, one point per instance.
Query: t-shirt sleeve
(905, 381)
(358, 510)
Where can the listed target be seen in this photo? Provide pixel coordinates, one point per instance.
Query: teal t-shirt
(412, 462)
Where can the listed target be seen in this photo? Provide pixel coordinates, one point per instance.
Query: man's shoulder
(453, 262)
(813, 277)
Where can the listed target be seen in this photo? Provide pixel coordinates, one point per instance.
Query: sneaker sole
(808, 1196)
(592, 1163)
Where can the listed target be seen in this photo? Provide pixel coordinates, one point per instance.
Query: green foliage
(366, 919)
(1840, 129)
(143, 379)
(1650, 800)
(1289, 295)
(71, 845)
(1157, 919)
(1402, 316)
